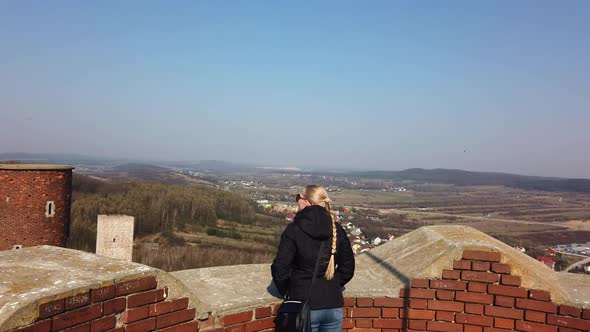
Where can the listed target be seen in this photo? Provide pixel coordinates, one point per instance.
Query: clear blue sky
(478, 85)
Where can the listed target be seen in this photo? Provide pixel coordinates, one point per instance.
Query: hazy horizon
(380, 85)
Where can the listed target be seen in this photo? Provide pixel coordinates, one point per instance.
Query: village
(359, 242)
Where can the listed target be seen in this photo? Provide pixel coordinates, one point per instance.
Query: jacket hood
(314, 221)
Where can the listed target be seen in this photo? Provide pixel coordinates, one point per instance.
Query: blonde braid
(330, 270)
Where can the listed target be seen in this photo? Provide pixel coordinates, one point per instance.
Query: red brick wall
(129, 306)
(478, 295)
(23, 198)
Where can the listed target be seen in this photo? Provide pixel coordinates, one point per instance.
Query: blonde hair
(317, 195)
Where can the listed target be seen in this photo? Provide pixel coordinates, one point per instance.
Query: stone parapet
(443, 278)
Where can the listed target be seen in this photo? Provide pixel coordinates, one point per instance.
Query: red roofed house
(548, 261)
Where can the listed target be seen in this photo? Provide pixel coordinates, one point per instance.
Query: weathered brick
(417, 293)
(364, 302)
(348, 323)
(472, 308)
(493, 329)
(534, 327)
(474, 297)
(364, 312)
(388, 323)
(568, 310)
(446, 305)
(418, 303)
(179, 304)
(191, 326)
(477, 287)
(115, 305)
(420, 283)
(569, 322)
(236, 328)
(586, 313)
(103, 324)
(444, 326)
(510, 280)
(448, 284)
(442, 294)
(539, 295)
(535, 316)
(259, 325)
(503, 312)
(79, 328)
(41, 326)
(142, 326)
(148, 297)
(390, 312)
(480, 255)
(77, 301)
(445, 316)
(504, 323)
(52, 308)
(77, 316)
(349, 301)
(102, 293)
(486, 277)
(480, 266)
(536, 305)
(416, 314)
(462, 265)
(501, 268)
(416, 325)
(507, 291)
(451, 274)
(472, 328)
(262, 312)
(135, 285)
(208, 323)
(389, 302)
(363, 323)
(241, 317)
(175, 317)
(504, 301)
(134, 314)
(474, 319)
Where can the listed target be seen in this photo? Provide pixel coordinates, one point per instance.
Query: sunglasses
(298, 197)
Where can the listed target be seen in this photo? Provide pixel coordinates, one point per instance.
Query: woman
(293, 266)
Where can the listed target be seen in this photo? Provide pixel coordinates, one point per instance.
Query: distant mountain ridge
(470, 178)
(420, 175)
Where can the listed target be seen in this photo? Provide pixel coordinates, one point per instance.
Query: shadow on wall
(400, 276)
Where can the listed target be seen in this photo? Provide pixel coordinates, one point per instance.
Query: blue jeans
(326, 320)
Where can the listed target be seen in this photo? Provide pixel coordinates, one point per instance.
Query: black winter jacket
(293, 266)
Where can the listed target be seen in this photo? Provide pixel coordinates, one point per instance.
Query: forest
(156, 207)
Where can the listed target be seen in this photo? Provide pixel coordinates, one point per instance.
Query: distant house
(356, 232)
(550, 262)
(521, 249)
(390, 236)
(290, 217)
(377, 241)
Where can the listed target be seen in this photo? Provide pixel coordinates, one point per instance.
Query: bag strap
(315, 271)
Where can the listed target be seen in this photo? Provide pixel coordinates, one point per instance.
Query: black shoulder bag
(294, 316)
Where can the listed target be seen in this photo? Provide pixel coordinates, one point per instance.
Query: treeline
(156, 207)
(467, 178)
